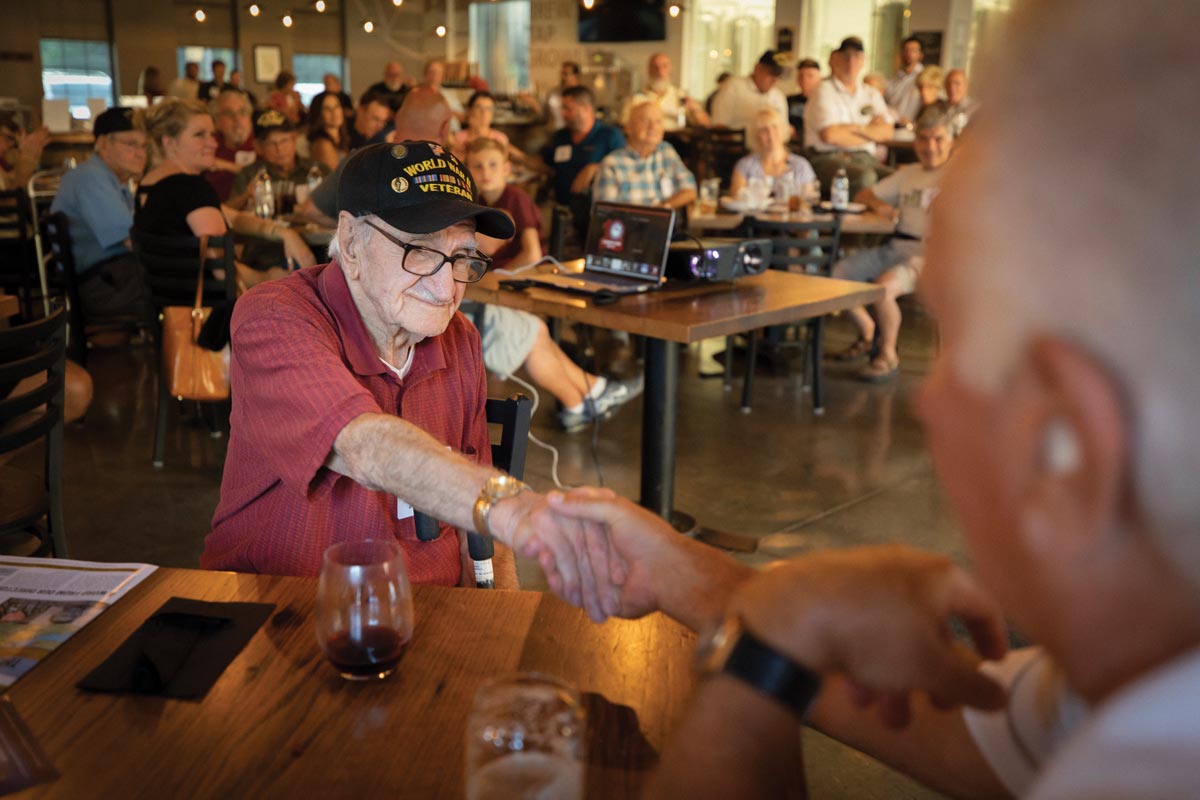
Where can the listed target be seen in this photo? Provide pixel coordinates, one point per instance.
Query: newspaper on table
(44, 601)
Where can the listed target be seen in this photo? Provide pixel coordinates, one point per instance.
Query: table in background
(683, 315)
(9, 306)
(729, 221)
(281, 722)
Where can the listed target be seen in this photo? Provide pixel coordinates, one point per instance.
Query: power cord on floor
(554, 457)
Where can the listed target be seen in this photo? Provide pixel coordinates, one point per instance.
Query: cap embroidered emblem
(399, 151)
(270, 119)
(399, 184)
(437, 150)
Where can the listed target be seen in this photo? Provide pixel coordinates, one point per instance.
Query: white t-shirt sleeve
(1042, 712)
(722, 106)
(890, 188)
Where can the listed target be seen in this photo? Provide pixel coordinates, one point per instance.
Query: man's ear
(351, 239)
(1081, 475)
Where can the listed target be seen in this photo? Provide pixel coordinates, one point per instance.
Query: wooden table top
(851, 223)
(281, 722)
(696, 312)
(9, 306)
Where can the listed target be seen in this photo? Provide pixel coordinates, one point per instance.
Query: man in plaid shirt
(647, 171)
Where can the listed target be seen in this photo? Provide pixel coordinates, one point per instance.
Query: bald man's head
(425, 115)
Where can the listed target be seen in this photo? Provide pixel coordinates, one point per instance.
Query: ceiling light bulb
(440, 31)
(673, 10)
(200, 15)
(368, 26)
(287, 20)
(320, 6)
(589, 4)
(254, 10)
(397, 3)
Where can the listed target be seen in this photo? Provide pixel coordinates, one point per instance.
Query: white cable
(553, 450)
(527, 267)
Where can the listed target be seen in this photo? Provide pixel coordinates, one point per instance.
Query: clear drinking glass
(364, 614)
(525, 740)
(710, 188)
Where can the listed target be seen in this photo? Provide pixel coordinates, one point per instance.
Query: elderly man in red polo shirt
(359, 391)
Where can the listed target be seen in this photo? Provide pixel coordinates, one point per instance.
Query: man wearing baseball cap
(740, 98)
(359, 390)
(95, 197)
(275, 144)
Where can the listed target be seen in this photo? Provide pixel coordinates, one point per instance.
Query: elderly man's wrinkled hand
(880, 616)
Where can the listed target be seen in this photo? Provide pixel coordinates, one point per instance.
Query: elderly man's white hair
(1085, 169)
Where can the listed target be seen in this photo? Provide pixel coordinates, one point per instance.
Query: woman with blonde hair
(770, 157)
(174, 199)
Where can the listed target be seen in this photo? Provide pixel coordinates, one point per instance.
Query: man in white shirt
(678, 110)
(186, 85)
(961, 105)
(902, 95)
(844, 120)
(740, 98)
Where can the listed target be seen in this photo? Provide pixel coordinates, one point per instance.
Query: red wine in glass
(374, 650)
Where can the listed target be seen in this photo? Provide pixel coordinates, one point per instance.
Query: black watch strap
(772, 673)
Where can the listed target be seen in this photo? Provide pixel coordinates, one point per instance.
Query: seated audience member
(513, 339)
(708, 101)
(435, 73)
(235, 82)
(359, 391)
(677, 108)
(328, 136)
(646, 171)
(575, 153)
(905, 196)
(210, 89)
(959, 105)
(285, 99)
(275, 142)
(333, 86)
(1068, 453)
(879, 83)
(99, 207)
(808, 78)
(174, 200)
(150, 84)
(901, 94)
(20, 153)
(741, 97)
(187, 85)
(392, 88)
(929, 89)
(372, 117)
(844, 120)
(233, 116)
(569, 75)
(481, 109)
(768, 138)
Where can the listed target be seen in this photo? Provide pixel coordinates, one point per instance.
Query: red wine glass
(364, 616)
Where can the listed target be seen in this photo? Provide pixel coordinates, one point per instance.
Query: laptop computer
(626, 251)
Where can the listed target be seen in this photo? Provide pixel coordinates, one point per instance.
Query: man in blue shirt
(575, 153)
(96, 199)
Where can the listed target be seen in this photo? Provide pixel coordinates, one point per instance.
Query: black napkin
(181, 650)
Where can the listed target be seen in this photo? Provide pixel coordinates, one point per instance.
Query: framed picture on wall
(268, 60)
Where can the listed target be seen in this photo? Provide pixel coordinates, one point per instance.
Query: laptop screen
(629, 240)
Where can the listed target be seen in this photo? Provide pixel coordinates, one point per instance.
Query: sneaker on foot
(616, 393)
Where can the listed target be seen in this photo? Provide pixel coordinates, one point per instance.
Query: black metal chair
(717, 151)
(60, 269)
(26, 499)
(811, 246)
(17, 259)
(171, 266)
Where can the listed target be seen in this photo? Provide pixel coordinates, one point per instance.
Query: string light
(286, 20)
(440, 31)
(673, 10)
(589, 4)
(254, 10)
(397, 3)
(369, 26)
(320, 6)
(200, 15)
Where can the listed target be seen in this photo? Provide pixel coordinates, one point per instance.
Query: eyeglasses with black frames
(425, 261)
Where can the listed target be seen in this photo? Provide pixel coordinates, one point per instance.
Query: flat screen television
(623, 21)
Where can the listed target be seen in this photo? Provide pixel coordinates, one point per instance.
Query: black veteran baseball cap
(113, 120)
(773, 62)
(416, 187)
(268, 122)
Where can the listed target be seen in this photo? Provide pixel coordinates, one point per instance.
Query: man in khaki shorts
(904, 196)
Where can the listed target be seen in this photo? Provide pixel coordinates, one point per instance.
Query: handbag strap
(196, 306)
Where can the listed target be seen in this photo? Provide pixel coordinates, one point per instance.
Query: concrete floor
(858, 475)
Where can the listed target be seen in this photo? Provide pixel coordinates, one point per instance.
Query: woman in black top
(175, 200)
(327, 132)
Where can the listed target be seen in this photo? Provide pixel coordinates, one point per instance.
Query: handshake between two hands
(880, 616)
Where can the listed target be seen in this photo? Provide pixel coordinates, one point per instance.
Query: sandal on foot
(879, 370)
(855, 351)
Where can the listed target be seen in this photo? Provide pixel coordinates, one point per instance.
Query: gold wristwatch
(495, 490)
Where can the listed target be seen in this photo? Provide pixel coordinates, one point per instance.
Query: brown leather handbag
(192, 372)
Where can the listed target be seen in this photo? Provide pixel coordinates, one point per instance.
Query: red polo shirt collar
(360, 350)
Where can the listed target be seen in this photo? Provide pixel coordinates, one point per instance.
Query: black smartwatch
(733, 650)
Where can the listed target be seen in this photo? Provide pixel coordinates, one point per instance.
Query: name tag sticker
(244, 157)
(928, 196)
(562, 153)
(668, 188)
(403, 509)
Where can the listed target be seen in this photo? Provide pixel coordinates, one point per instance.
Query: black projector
(717, 259)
